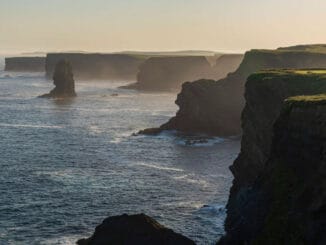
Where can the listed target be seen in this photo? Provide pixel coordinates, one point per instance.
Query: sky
(159, 25)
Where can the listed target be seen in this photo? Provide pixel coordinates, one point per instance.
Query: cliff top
(315, 48)
(319, 99)
(274, 73)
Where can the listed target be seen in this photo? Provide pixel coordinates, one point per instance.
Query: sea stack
(63, 80)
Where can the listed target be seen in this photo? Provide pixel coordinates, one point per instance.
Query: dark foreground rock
(133, 230)
(278, 194)
(214, 107)
(63, 80)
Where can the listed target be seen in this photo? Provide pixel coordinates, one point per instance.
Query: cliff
(168, 73)
(249, 202)
(119, 67)
(25, 64)
(63, 80)
(133, 229)
(218, 104)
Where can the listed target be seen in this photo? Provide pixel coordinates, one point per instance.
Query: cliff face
(25, 64)
(134, 229)
(294, 182)
(63, 80)
(120, 67)
(195, 114)
(265, 93)
(225, 97)
(168, 73)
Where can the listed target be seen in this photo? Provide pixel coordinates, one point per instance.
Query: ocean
(68, 164)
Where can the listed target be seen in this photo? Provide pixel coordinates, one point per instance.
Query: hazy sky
(115, 25)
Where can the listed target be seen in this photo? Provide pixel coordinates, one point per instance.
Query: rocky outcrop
(249, 202)
(194, 115)
(133, 229)
(168, 73)
(220, 103)
(118, 67)
(25, 64)
(63, 80)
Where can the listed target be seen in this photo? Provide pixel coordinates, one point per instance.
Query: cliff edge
(249, 202)
(217, 110)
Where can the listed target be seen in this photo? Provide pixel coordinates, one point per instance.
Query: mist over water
(67, 165)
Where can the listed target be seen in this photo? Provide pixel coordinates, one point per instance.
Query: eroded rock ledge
(279, 190)
(134, 229)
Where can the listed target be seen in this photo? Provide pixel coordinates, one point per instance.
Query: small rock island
(63, 80)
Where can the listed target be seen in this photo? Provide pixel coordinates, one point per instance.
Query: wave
(191, 179)
(22, 75)
(157, 167)
(66, 240)
(29, 126)
(199, 141)
(184, 204)
(217, 209)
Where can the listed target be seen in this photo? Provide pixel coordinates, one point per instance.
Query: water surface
(67, 165)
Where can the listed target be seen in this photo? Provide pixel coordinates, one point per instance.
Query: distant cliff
(250, 203)
(119, 67)
(217, 105)
(168, 73)
(25, 64)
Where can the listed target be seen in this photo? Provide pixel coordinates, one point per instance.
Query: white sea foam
(199, 141)
(122, 137)
(94, 129)
(185, 204)
(29, 126)
(192, 179)
(157, 167)
(67, 240)
(213, 208)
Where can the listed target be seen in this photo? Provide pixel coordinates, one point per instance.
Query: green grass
(317, 48)
(317, 72)
(308, 98)
(311, 71)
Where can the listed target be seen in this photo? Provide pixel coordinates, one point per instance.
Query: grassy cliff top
(315, 48)
(298, 82)
(321, 73)
(310, 99)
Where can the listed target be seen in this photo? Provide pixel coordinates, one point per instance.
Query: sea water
(65, 165)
